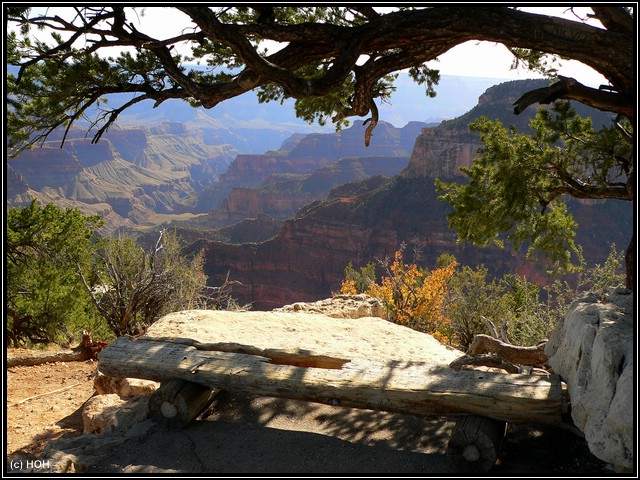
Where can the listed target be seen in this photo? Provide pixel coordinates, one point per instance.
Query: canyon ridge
(286, 222)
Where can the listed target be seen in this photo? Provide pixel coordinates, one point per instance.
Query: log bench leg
(177, 402)
(475, 444)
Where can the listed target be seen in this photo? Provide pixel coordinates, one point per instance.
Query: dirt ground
(44, 403)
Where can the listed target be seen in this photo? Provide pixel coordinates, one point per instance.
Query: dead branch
(68, 387)
(87, 350)
(570, 89)
(488, 360)
(517, 355)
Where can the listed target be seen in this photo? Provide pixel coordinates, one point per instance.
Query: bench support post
(475, 444)
(177, 402)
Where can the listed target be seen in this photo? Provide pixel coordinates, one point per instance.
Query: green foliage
(61, 280)
(358, 281)
(598, 279)
(535, 61)
(425, 75)
(526, 321)
(519, 182)
(517, 310)
(471, 300)
(132, 287)
(508, 308)
(46, 300)
(469, 303)
(507, 187)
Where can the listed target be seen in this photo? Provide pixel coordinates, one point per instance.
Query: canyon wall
(305, 168)
(368, 220)
(129, 176)
(282, 195)
(306, 260)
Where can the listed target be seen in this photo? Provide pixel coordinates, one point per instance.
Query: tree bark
(630, 262)
(571, 88)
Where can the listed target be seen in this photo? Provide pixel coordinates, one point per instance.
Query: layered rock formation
(592, 349)
(278, 183)
(439, 153)
(128, 176)
(306, 261)
(282, 195)
(136, 172)
(247, 202)
(366, 221)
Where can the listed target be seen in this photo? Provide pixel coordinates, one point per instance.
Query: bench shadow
(363, 426)
(260, 435)
(244, 434)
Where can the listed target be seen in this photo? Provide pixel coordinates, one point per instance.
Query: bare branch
(365, 11)
(394, 41)
(372, 125)
(570, 89)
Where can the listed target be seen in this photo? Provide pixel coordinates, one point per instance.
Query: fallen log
(36, 357)
(532, 356)
(87, 349)
(416, 388)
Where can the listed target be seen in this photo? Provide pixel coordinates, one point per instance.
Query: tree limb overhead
(334, 61)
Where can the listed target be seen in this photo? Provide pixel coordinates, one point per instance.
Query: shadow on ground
(259, 435)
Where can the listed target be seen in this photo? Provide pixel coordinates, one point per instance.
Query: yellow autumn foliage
(412, 296)
(348, 287)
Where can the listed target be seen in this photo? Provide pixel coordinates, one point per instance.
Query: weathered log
(302, 359)
(87, 349)
(416, 388)
(177, 402)
(475, 444)
(532, 356)
(36, 357)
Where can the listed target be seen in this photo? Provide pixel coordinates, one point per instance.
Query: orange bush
(415, 297)
(348, 287)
